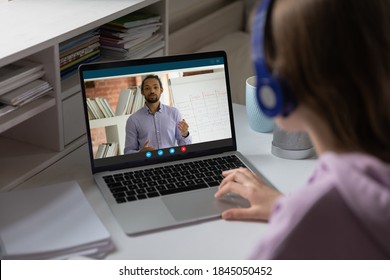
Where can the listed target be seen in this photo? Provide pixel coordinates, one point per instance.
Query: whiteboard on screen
(202, 101)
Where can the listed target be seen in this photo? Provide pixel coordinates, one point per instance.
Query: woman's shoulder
(343, 193)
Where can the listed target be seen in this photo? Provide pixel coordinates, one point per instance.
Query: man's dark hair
(151, 77)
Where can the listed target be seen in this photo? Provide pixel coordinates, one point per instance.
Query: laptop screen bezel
(109, 164)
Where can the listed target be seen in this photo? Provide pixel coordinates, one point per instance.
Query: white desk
(216, 239)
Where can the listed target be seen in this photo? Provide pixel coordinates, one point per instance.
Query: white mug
(257, 120)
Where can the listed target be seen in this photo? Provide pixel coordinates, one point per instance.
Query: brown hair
(335, 56)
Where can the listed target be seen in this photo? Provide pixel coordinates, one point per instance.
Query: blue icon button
(160, 152)
(171, 150)
(148, 154)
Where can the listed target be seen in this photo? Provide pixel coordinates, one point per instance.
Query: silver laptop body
(198, 85)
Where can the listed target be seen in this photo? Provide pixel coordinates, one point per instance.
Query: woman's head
(335, 56)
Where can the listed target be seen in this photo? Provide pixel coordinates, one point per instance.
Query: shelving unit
(35, 136)
(115, 128)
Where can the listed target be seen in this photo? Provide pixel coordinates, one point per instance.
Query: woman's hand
(245, 183)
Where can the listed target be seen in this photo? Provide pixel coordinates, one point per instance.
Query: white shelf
(20, 161)
(108, 121)
(115, 128)
(36, 135)
(25, 112)
(42, 23)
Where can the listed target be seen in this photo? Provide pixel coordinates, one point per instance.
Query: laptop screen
(193, 118)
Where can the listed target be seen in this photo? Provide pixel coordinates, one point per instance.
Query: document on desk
(50, 222)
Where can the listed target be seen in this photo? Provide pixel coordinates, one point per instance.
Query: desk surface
(216, 239)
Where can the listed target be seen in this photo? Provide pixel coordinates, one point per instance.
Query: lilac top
(159, 128)
(343, 212)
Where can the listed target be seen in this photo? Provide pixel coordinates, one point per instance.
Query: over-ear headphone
(273, 94)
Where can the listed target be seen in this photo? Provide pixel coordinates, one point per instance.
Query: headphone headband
(273, 95)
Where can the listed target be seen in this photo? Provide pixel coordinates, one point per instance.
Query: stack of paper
(26, 93)
(51, 222)
(20, 84)
(133, 36)
(80, 49)
(19, 73)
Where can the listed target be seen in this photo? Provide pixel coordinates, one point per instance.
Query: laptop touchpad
(200, 204)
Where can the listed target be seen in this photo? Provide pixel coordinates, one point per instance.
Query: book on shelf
(107, 150)
(133, 36)
(51, 222)
(128, 38)
(125, 33)
(72, 70)
(68, 49)
(77, 60)
(146, 48)
(5, 109)
(17, 71)
(139, 51)
(26, 93)
(21, 82)
(126, 98)
(77, 54)
(130, 101)
(80, 49)
(138, 103)
(135, 19)
(99, 108)
(125, 44)
(74, 42)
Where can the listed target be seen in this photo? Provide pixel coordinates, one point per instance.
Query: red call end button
(183, 149)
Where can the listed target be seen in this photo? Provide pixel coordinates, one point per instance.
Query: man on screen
(155, 126)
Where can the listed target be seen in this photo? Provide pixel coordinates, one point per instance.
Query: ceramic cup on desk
(257, 120)
(291, 145)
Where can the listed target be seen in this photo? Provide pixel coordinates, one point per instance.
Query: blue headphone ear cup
(269, 95)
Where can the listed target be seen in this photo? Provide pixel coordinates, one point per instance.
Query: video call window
(198, 93)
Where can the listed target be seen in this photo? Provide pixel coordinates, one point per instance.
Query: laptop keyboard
(160, 181)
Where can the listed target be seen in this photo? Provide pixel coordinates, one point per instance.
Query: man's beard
(152, 99)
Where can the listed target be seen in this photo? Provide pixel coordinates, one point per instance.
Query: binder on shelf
(125, 101)
(138, 103)
(15, 72)
(51, 222)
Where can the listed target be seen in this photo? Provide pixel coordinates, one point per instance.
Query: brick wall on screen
(110, 90)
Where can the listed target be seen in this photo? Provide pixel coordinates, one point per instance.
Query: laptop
(169, 186)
